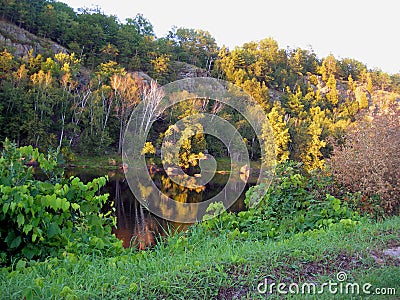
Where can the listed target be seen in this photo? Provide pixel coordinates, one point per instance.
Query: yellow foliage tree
(281, 132)
(332, 95)
(312, 156)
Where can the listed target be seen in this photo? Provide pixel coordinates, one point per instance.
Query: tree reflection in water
(136, 226)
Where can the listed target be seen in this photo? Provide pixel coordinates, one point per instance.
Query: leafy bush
(46, 217)
(369, 162)
(291, 205)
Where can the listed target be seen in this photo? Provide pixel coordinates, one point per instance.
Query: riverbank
(198, 265)
(114, 161)
(111, 161)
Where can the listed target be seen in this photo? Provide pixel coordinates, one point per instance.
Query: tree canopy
(82, 100)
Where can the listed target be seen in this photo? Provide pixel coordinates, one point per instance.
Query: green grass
(202, 265)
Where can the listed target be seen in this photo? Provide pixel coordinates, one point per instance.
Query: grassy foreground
(200, 265)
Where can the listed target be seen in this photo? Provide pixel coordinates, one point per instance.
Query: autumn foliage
(369, 160)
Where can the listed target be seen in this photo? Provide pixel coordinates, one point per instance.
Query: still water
(136, 226)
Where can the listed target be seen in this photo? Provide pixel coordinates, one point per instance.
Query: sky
(365, 30)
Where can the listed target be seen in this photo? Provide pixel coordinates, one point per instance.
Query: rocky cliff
(19, 41)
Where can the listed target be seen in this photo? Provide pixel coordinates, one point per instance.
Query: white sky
(365, 30)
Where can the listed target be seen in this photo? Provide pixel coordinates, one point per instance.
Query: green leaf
(20, 220)
(57, 203)
(15, 242)
(5, 207)
(27, 228)
(46, 187)
(50, 201)
(65, 205)
(75, 206)
(53, 230)
(29, 252)
(100, 244)
(21, 264)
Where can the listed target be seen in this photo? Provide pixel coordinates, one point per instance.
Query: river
(136, 226)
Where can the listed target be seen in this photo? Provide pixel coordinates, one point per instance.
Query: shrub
(39, 218)
(369, 162)
(292, 204)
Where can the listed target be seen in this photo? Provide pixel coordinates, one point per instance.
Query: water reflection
(136, 226)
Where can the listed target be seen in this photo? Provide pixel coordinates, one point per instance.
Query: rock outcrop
(184, 70)
(19, 41)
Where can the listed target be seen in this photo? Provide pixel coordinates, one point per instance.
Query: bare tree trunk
(121, 136)
(62, 130)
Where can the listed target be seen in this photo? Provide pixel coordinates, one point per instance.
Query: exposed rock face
(185, 70)
(142, 75)
(19, 41)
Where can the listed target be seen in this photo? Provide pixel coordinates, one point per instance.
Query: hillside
(326, 129)
(297, 89)
(20, 42)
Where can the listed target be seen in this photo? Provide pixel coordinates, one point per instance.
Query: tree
(351, 67)
(362, 99)
(43, 96)
(380, 80)
(329, 67)
(194, 46)
(91, 33)
(191, 145)
(293, 103)
(69, 66)
(14, 101)
(301, 62)
(312, 156)
(332, 96)
(368, 81)
(351, 84)
(151, 96)
(259, 92)
(126, 94)
(280, 131)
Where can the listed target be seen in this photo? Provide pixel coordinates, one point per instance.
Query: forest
(81, 98)
(69, 82)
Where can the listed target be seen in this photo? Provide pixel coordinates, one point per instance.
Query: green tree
(194, 46)
(15, 100)
(349, 66)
